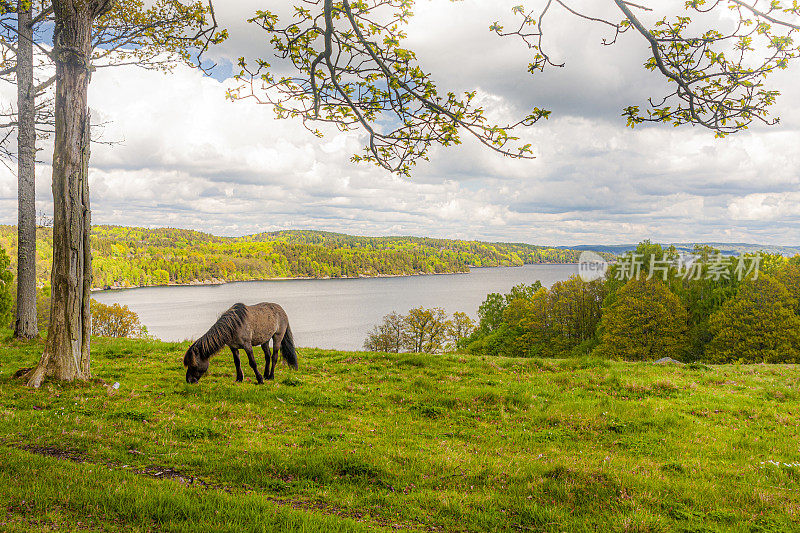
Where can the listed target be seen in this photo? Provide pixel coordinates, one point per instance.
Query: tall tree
(19, 60)
(22, 57)
(66, 355)
(645, 322)
(129, 32)
(758, 325)
(25, 324)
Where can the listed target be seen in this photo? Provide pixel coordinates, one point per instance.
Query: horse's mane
(220, 333)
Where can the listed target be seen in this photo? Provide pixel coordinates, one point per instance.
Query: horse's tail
(287, 348)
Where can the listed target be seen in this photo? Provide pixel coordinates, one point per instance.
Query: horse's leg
(267, 373)
(238, 363)
(253, 365)
(276, 346)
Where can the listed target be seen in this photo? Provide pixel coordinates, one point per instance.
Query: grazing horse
(242, 327)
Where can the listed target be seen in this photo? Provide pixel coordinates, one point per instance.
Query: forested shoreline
(652, 304)
(127, 257)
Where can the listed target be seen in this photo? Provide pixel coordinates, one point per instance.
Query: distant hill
(725, 248)
(133, 257)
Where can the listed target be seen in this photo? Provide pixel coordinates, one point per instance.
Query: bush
(506, 341)
(115, 321)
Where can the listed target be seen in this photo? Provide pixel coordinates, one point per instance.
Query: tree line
(708, 311)
(107, 320)
(133, 257)
(420, 330)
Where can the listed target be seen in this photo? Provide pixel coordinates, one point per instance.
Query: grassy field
(369, 441)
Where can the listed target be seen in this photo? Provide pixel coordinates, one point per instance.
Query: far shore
(300, 278)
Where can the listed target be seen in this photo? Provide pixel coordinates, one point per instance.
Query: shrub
(115, 321)
(506, 341)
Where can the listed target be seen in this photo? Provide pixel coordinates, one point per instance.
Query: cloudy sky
(189, 158)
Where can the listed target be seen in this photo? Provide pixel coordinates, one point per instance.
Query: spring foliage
(715, 310)
(132, 257)
(115, 321)
(534, 321)
(420, 330)
(6, 287)
(350, 63)
(646, 322)
(759, 325)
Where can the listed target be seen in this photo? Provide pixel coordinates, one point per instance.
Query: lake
(324, 313)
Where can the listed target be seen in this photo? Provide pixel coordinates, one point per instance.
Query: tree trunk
(66, 353)
(25, 325)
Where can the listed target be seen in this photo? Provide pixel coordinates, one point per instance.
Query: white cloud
(766, 207)
(190, 158)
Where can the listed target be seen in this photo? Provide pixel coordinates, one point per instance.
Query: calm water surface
(329, 313)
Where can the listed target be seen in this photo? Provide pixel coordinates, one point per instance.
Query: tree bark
(25, 324)
(66, 353)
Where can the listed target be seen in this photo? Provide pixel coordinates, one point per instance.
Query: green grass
(368, 441)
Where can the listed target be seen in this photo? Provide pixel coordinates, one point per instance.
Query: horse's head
(195, 365)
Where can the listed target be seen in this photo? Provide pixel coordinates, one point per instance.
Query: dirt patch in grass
(52, 451)
(154, 471)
